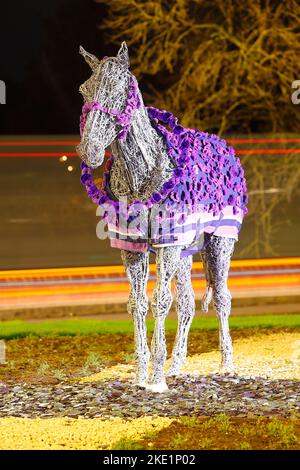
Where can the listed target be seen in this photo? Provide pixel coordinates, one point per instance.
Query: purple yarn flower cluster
(86, 108)
(133, 103)
(208, 175)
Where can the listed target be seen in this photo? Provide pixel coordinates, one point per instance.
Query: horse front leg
(167, 260)
(218, 254)
(185, 306)
(137, 269)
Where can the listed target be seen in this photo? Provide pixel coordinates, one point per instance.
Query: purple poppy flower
(93, 191)
(83, 165)
(152, 112)
(156, 197)
(183, 160)
(85, 178)
(166, 116)
(178, 172)
(172, 123)
(178, 130)
(103, 199)
(184, 144)
(169, 184)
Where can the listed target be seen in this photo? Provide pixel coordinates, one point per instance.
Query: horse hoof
(140, 383)
(158, 388)
(226, 369)
(173, 372)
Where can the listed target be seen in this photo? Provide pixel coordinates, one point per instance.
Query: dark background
(40, 63)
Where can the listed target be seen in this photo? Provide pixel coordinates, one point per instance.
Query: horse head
(109, 102)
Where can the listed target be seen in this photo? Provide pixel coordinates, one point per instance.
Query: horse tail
(206, 299)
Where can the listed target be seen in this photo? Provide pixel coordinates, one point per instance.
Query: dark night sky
(40, 64)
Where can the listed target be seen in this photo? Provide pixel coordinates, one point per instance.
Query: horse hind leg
(207, 296)
(185, 306)
(218, 254)
(137, 270)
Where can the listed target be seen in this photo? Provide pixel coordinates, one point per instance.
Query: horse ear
(89, 58)
(123, 56)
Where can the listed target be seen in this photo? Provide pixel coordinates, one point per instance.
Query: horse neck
(142, 156)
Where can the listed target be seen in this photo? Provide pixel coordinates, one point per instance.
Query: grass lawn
(21, 329)
(220, 433)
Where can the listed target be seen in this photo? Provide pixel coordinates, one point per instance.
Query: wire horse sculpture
(166, 188)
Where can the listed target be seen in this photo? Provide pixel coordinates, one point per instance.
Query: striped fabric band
(188, 234)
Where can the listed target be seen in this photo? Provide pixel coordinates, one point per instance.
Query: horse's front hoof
(141, 380)
(140, 383)
(226, 369)
(160, 387)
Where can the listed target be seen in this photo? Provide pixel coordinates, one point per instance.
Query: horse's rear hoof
(158, 388)
(173, 371)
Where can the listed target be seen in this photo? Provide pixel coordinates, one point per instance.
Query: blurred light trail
(267, 191)
(46, 143)
(74, 154)
(37, 154)
(108, 284)
(268, 151)
(43, 143)
(261, 141)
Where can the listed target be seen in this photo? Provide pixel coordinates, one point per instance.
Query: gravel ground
(266, 382)
(188, 395)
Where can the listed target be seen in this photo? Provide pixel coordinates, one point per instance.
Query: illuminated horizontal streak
(57, 154)
(119, 269)
(38, 154)
(98, 280)
(250, 282)
(38, 142)
(73, 142)
(74, 154)
(270, 151)
(261, 141)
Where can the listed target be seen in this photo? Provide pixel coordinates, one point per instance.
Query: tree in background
(222, 66)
